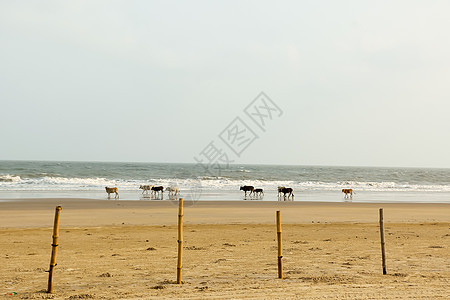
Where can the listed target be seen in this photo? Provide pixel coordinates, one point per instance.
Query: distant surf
(24, 177)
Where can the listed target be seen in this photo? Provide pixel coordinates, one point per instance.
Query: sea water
(37, 179)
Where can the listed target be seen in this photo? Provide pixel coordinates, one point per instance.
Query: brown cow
(112, 190)
(280, 190)
(348, 192)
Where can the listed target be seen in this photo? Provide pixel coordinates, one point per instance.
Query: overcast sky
(359, 83)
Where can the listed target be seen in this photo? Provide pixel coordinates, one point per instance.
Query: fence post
(383, 254)
(180, 239)
(54, 248)
(280, 255)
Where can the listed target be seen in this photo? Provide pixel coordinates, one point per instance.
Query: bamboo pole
(383, 254)
(180, 239)
(54, 248)
(280, 255)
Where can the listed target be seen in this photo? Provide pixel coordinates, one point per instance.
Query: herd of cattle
(260, 192)
(174, 191)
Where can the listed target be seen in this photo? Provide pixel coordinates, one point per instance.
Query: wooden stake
(180, 239)
(383, 254)
(54, 248)
(280, 255)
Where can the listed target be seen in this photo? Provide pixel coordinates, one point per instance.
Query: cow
(112, 190)
(247, 188)
(348, 192)
(280, 190)
(158, 189)
(258, 192)
(288, 191)
(145, 188)
(173, 190)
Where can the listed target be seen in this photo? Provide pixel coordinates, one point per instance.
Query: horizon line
(232, 164)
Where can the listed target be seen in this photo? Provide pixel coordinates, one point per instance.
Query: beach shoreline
(128, 250)
(92, 212)
(335, 196)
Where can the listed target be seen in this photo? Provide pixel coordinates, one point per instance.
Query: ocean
(38, 179)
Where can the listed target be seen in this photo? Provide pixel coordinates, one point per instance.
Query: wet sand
(128, 249)
(88, 212)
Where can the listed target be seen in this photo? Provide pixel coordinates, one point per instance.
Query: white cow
(173, 190)
(146, 188)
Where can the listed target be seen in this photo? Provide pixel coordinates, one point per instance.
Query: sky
(355, 83)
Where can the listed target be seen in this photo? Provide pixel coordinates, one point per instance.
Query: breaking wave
(9, 178)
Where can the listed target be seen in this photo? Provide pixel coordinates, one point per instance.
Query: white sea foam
(9, 178)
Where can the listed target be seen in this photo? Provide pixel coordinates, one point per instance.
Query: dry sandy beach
(128, 250)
